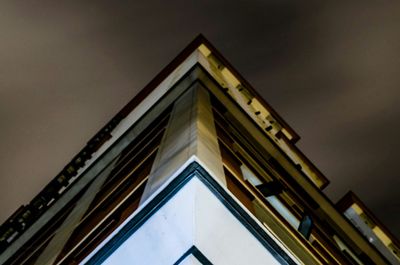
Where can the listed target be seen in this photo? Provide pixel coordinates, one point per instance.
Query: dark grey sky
(332, 70)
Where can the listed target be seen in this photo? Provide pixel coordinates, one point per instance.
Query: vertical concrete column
(190, 136)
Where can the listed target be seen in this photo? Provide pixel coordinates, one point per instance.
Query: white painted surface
(194, 216)
(221, 237)
(190, 260)
(164, 237)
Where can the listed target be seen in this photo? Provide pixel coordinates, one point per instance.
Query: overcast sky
(332, 70)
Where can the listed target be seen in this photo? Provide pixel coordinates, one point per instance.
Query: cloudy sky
(332, 70)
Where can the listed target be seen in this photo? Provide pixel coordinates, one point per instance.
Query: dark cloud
(330, 69)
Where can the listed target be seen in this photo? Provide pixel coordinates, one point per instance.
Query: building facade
(196, 169)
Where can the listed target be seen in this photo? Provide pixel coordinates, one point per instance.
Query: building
(366, 222)
(196, 169)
